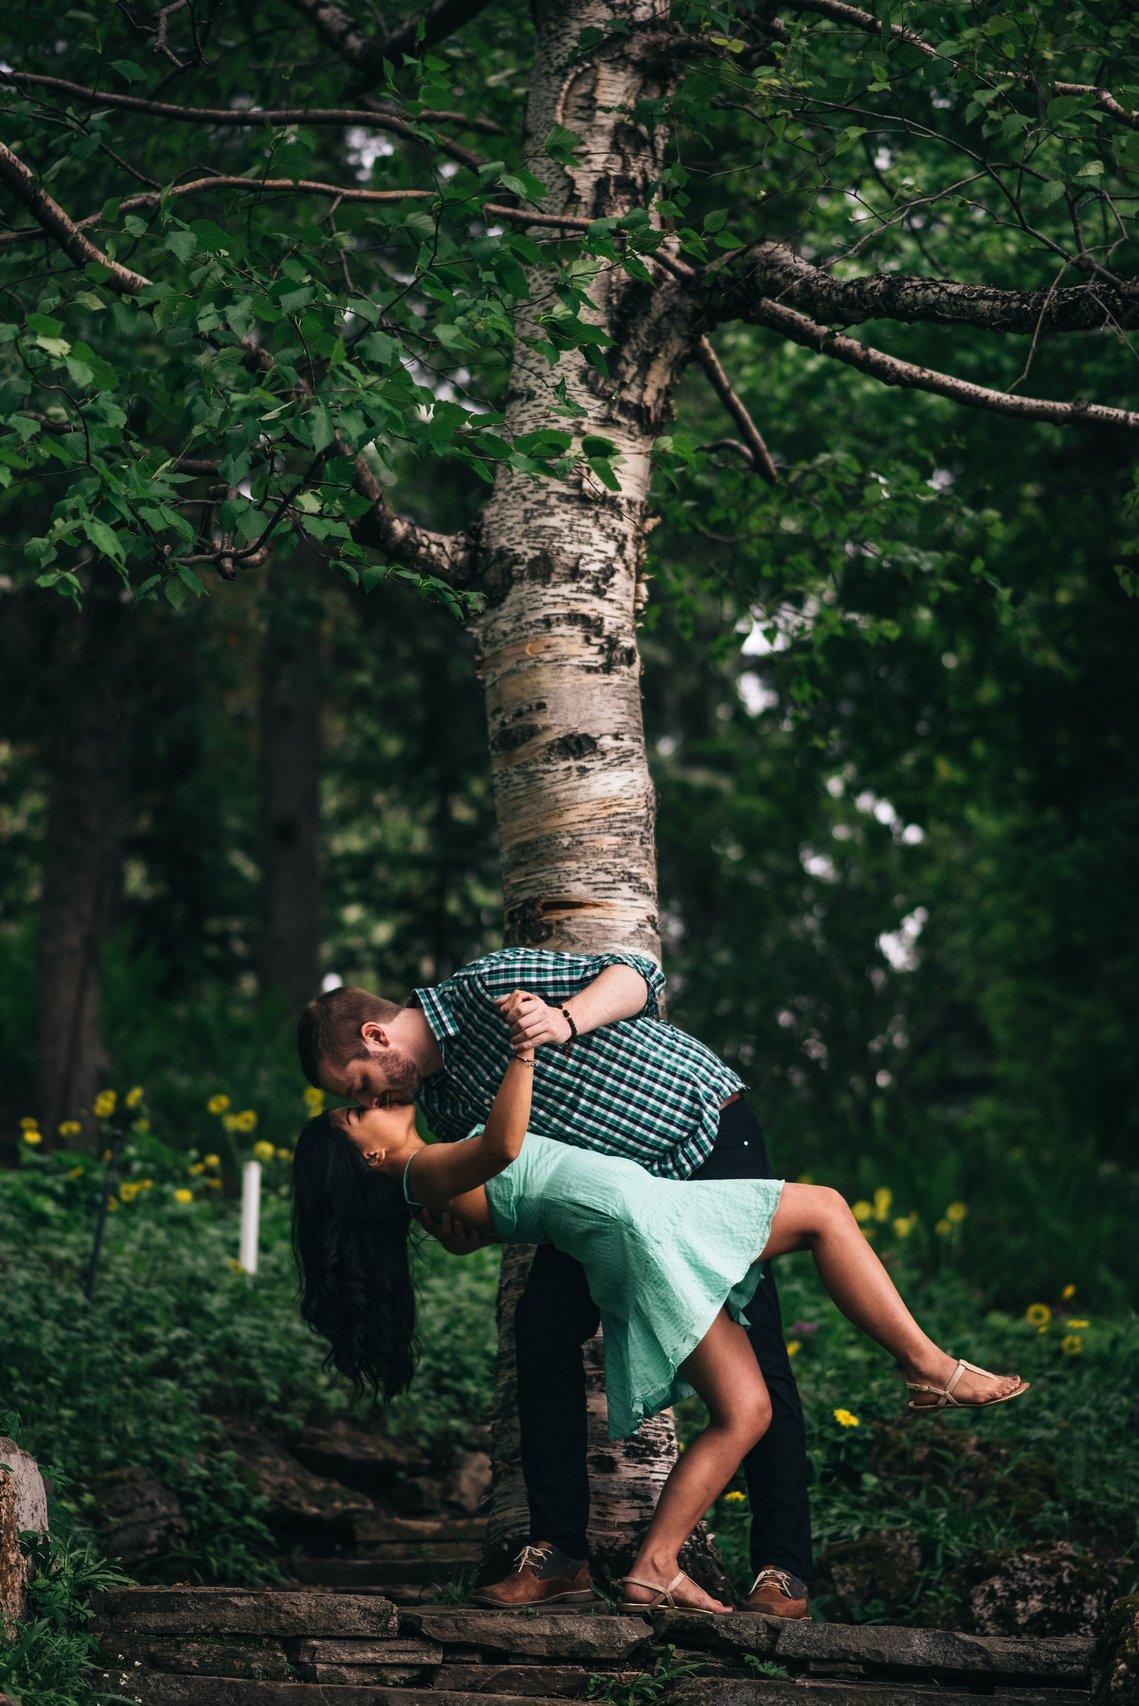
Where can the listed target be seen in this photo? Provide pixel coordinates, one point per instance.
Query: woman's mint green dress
(662, 1256)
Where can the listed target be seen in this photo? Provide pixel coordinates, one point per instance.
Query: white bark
(558, 653)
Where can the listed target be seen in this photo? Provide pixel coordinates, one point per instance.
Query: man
(611, 1075)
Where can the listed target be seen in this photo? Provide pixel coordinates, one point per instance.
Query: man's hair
(329, 1027)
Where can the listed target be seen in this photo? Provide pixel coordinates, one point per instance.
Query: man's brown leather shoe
(542, 1576)
(777, 1593)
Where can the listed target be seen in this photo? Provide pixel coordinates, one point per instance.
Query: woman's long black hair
(350, 1232)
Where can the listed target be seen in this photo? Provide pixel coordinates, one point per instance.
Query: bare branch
(362, 52)
(753, 446)
(753, 276)
(892, 371)
(841, 13)
(366, 54)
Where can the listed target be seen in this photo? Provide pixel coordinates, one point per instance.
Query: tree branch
(448, 556)
(51, 218)
(753, 446)
(375, 118)
(841, 13)
(907, 374)
(366, 54)
(751, 277)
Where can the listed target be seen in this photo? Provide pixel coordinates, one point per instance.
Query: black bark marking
(577, 745)
(509, 739)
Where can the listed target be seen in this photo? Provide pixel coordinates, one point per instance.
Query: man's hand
(531, 1021)
(456, 1237)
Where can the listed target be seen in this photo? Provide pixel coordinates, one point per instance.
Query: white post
(250, 1214)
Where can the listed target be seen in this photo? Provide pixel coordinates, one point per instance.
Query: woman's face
(376, 1131)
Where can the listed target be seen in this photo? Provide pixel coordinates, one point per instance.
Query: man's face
(378, 1079)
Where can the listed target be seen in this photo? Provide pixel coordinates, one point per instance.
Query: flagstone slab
(246, 1611)
(519, 1635)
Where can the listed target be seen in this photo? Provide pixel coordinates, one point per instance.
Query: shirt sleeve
(555, 977)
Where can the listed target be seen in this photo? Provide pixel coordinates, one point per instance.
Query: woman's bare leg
(724, 1372)
(815, 1218)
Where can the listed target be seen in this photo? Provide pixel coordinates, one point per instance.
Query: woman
(671, 1265)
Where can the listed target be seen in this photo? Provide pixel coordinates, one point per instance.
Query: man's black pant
(554, 1318)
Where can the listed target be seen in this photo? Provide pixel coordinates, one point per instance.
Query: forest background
(891, 722)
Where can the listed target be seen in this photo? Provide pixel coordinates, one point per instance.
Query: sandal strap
(661, 1593)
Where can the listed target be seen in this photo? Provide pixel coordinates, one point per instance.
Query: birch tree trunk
(558, 655)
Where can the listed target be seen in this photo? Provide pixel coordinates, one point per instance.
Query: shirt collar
(438, 1016)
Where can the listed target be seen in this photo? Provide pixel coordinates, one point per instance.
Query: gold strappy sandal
(942, 1397)
(662, 1597)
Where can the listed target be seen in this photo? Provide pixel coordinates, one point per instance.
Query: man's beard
(402, 1074)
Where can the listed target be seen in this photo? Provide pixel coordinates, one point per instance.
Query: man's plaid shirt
(638, 1088)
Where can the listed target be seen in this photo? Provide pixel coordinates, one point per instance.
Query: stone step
(268, 1612)
(380, 1572)
(836, 1691)
(380, 1528)
(874, 1647)
(159, 1688)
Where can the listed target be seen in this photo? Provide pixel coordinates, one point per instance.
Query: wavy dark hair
(350, 1239)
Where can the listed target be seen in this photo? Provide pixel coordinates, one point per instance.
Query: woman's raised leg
(724, 1372)
(816, 1218)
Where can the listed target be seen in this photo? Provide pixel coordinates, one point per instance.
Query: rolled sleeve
(555, 977)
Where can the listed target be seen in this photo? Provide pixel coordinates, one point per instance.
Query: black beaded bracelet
(572, 1038)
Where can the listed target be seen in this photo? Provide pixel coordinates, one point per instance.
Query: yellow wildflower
(128, 1191)
(314, 1100)
(198, 1167)
(69, 1128)
(211, 1160)
(904, 1225)
(956, 1213)
(214, 1184)
(134, 1096)
(1074, 1324)
(113, 1203)
(1038, 1315)
(217, 1104)
(284, 1154)
(263, 1151)
(105, 1104)
(76, 1173)
(183, 1195)
(883, 1202)
(806, 1178)
(146, 1184)
(735, 1497)
(32, 1136)
(246, 1120)
(229, 1121)
(235, 1265)
(28, 1123)
(862, 1210)
(1071, 1344)
(943, 1228)
(680, 1448)
(1067, 1294)
(794, 1346)
(845, 1419)
(141, 1127)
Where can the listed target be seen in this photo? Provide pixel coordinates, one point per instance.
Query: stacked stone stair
(312, 1647)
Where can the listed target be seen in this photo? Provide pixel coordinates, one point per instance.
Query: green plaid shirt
(638, 1088)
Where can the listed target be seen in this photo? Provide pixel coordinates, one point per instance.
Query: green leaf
(181, 243)
(103, 538)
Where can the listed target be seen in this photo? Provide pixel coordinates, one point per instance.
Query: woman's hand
(532, 1021)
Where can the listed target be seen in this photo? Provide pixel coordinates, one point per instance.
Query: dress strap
(407, 1196)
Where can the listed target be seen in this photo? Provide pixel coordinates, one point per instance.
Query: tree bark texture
(559, 562)
(83, 856)
(289, 781)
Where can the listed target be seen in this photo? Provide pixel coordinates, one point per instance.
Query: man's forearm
(619, 992)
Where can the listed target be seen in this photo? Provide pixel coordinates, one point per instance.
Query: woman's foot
(665, 1588)
(949, 1384)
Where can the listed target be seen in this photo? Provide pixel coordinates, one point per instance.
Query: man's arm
(456, 1238)
(619, 992)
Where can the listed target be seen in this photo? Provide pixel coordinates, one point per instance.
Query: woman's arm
(443, 1171)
